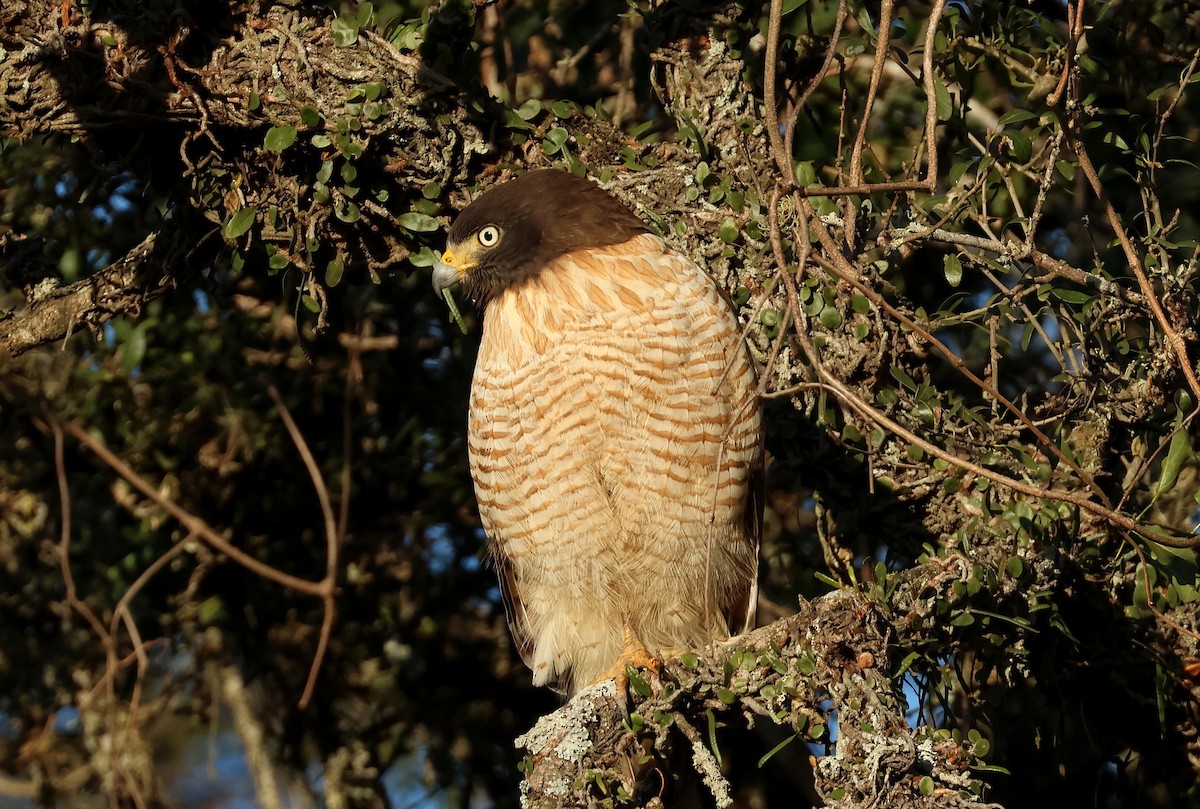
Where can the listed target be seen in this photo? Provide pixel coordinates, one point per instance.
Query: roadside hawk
(614, 435)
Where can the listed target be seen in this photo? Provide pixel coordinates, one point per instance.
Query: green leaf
(333, 271)
(1071, 295)
(712, 735)
(775, 750)
(1014, 117)
(455, 315)
(926, 786)
(279, 138)
(901, 376)
(830, 317)
(943, 104)
(1179, 451)
(959, 169)
(1017, 144)
(637, 682)
(425, 257)
(529, 110)
(729, 231)
(563, 109)
(908, 660)
(514, 121)
(824, 578)
(344, 31)
(1114, 139)
(769, 318)
(417, 222)
(962, 619)
(953, 269)
(277, 259)
(239, 223)
(806, 175)
(556, 138)
(349, 214)
(310, 117)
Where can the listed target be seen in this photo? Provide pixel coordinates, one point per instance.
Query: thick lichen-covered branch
(55, 312)
(830, 665)
(302, 146)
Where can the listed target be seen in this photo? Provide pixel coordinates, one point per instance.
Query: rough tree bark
(829, 664)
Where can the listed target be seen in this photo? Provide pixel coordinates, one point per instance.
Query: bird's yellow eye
(488, 236)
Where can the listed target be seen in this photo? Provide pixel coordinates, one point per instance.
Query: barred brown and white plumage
(614, 431)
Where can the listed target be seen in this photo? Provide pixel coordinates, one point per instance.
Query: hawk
(614, 435)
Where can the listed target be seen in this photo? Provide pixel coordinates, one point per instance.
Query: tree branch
(829, 662)
(124, 287)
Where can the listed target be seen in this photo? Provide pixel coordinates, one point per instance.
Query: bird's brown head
(510, 233)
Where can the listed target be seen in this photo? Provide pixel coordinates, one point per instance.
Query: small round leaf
(279, 138)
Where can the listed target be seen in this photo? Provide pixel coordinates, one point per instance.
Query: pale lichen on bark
(828, 663)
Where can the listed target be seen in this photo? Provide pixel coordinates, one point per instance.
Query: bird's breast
(619, 287)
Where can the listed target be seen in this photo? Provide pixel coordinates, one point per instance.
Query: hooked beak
(450, 269)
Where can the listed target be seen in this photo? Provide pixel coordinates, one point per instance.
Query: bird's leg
(633, 653)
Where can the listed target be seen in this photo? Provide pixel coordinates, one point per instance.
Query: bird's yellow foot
(633, 654)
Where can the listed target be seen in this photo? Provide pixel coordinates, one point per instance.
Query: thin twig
(331, 543)
(818, 77)
(1115, 518)
(1173, 338)
(882, 42)
(1074, 34)
(190, 521)
(783, 158)
(929, 79)
(839, 266)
